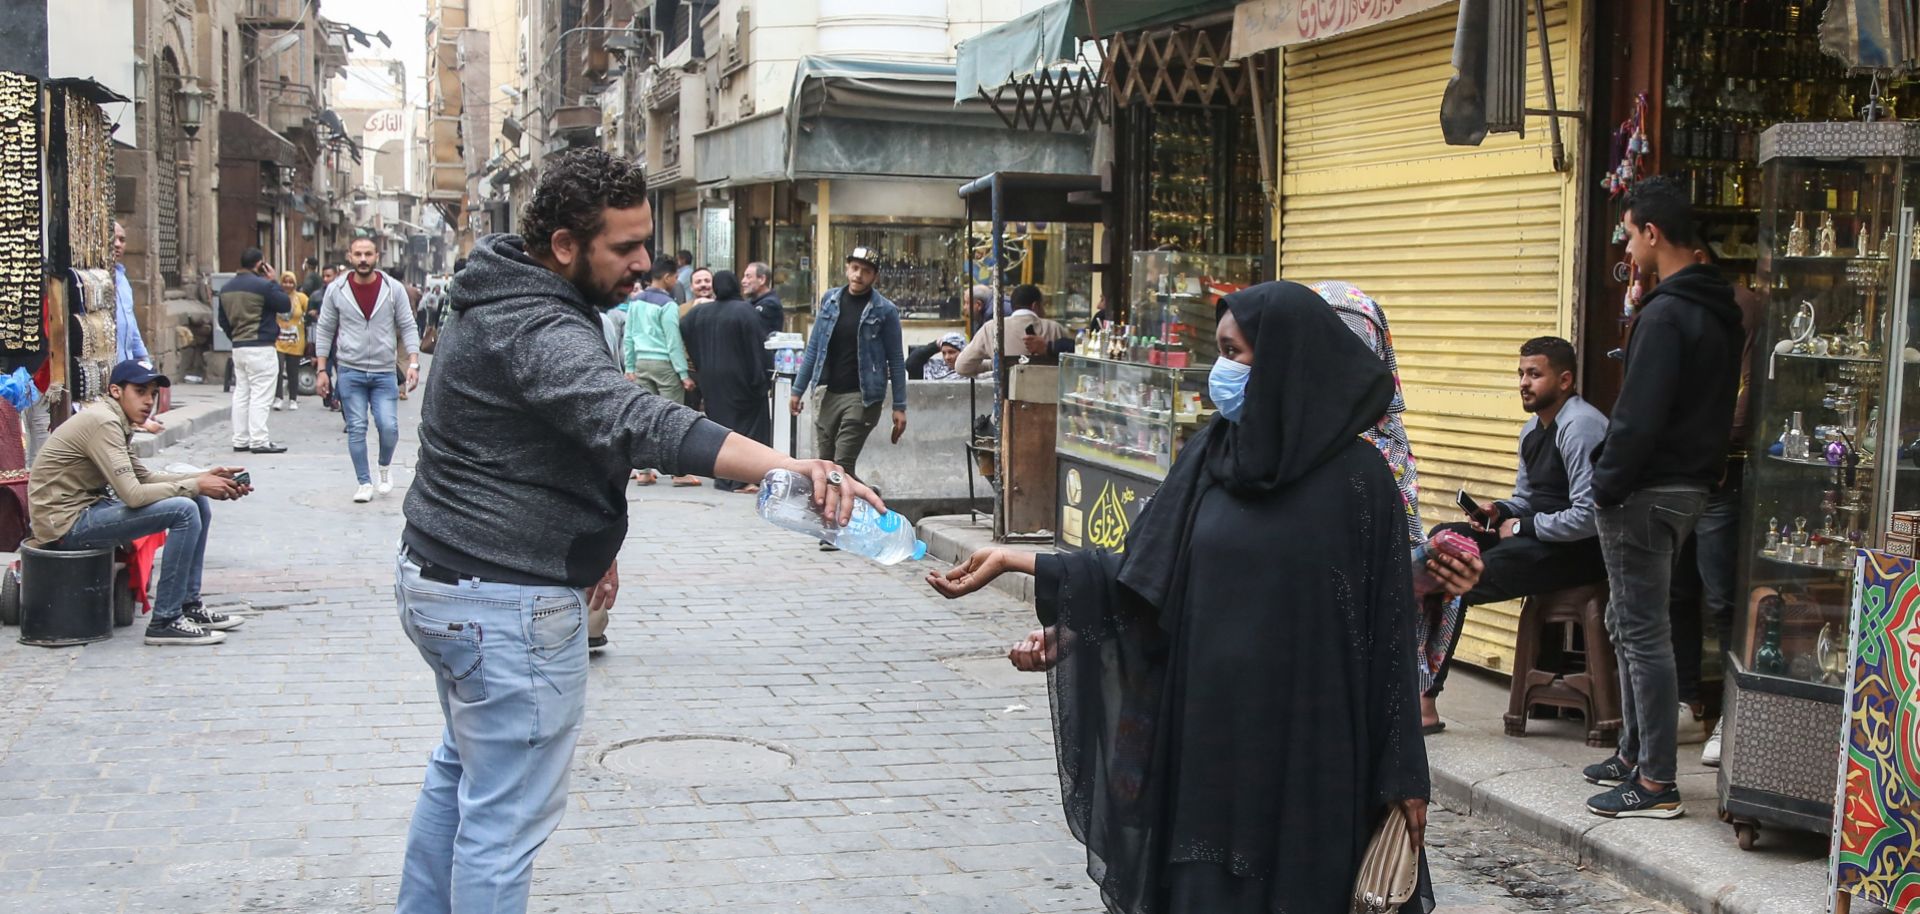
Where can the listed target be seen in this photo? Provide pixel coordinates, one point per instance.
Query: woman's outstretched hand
(1416, 811)
(976, 572)
(1037, 653)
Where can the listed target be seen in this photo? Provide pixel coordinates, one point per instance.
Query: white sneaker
(363, 494)
(276, 405)
(386, 480)
(1710, 754)
(293, 404)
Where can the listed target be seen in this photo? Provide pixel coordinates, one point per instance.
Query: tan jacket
(977, 358)
(85, 456)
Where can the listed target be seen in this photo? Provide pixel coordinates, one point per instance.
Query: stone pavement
(275, 773)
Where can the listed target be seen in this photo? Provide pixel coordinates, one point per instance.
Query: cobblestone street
(275, 772)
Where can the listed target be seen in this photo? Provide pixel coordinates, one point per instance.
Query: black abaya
(724, 345)
(1234, 702)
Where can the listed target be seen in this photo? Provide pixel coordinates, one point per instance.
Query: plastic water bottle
(786, 500)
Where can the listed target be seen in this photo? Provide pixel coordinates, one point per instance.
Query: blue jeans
(360, 390)
(1640, 539)
(510, 666)
(111, 523)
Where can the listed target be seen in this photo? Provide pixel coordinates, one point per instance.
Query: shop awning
(1260, 25)
(1049, 37)
(890, 119)
(242, 137)
(749, 151)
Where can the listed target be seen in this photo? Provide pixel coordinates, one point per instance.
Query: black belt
(437, 573)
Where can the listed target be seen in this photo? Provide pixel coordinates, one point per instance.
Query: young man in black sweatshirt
(1666, 446)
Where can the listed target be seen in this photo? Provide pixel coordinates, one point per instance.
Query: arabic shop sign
(1262, 24)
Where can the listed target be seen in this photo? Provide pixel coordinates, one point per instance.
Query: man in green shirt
(653, 353)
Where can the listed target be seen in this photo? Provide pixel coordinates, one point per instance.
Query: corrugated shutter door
(1469, 249)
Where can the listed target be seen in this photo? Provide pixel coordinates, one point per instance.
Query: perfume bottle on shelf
(1793, 444)
(1828, 244)
(1772, 546)
(1768, 659)
(1797, 236)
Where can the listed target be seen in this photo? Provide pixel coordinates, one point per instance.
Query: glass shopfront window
(920, 263)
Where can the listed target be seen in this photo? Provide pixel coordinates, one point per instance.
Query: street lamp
(193, 106)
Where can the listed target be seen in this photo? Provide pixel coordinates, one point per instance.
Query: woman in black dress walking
(1234, 696)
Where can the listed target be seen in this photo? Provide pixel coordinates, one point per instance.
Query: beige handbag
(1390, 869)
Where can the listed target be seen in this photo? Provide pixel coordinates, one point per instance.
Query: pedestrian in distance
(88, 491)
(250, 307)
(128, 344)
(725, 345)
(1665, 449)
(756, 285)
(292, 344)
(1226, 684)
(365, 319)
(513, 523)
(699, 289)
(683, 277)
(655, 354)
(854, 355)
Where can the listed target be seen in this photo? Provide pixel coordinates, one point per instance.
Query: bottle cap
(919, 550)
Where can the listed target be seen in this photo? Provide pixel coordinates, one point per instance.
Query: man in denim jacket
(854, 360)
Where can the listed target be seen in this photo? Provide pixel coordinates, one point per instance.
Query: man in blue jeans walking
(527, 435)
(1666, 446)
(88, 491)
(364, 315)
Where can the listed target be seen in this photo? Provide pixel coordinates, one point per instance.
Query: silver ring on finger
(835, 478)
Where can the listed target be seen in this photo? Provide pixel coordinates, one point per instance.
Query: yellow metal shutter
(1469, 249)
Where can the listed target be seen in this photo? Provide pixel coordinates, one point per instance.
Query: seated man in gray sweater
(1544, 537)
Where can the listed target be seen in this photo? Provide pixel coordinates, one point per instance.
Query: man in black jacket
(527, 436)
(1666, 446)
(250, 305)
(757, 285)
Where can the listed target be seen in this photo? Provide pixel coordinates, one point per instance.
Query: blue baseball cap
(135, 371)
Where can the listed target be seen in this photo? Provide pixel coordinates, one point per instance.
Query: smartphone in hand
(1468, 505)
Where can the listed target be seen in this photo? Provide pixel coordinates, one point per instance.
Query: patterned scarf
(1368, 321)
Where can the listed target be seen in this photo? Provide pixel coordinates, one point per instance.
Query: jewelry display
(89, 192)
(20, 203)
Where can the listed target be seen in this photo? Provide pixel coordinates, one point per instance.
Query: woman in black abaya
(725, 340)
(1234, 697)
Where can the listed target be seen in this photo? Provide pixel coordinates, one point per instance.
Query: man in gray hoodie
(527, 435)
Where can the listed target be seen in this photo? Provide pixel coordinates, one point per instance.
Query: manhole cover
(695, 760)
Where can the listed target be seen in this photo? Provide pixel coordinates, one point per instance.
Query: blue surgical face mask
(1227, 387)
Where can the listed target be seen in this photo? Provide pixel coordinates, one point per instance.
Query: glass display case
(1121, 425)
(1129, 415)
(920, 267)
(1174, 298)
(1827, 465)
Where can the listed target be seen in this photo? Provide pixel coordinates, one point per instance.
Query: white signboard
(1262, 24)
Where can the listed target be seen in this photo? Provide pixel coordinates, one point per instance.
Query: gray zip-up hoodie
(364, 343)
(529, 431)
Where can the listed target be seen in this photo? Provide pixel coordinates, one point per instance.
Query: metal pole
(999, 364)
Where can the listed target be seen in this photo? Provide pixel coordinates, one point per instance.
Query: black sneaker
(181, 631)
(828, 547)
(242, 449)
(1608, 773)
(270, 448)
(1632, 800)
(207, 619)
(596, 642)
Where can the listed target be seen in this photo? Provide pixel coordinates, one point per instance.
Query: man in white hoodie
(364, 315)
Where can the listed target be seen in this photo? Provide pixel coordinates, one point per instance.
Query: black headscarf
(1314, 387)
(726, 286)
(1234, 702)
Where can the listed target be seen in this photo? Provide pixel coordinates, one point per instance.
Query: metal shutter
(1469, 249)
